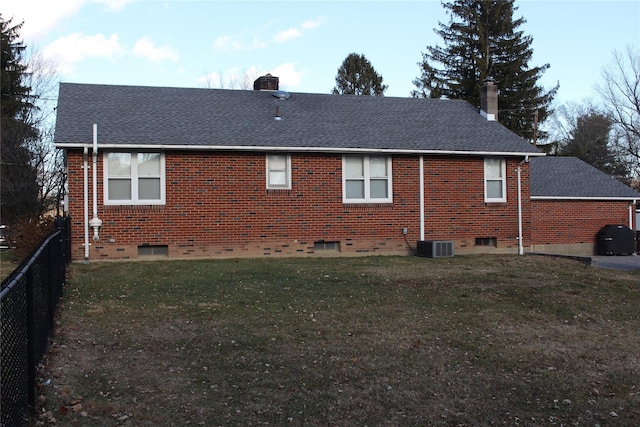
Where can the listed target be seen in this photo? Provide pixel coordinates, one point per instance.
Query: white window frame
(502, 178)
(134, 181)
(367, 180)
(287, 171)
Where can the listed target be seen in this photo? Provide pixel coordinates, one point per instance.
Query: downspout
(95, 222)
(635, 230)
(520, 245)
(85, 167)
(421, 197)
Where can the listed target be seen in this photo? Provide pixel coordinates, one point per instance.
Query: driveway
(620, 262)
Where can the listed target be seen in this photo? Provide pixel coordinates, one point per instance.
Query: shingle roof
(218, 118)
(570, 177)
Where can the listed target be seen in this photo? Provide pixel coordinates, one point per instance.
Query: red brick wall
(455, 208)
(574, 221)
(217, 205)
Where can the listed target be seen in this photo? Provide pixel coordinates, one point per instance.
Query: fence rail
(28, 302)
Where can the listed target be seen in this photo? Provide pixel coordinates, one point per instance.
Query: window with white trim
(366, 179)
(134, 178)
(278, 171)
(495, 186)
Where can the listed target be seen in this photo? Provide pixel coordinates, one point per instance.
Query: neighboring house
(184, 172)
(571, 201)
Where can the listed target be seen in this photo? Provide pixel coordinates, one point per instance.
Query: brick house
(571, 201)
(178, 172)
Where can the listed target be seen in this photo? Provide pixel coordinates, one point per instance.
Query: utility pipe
(85, 167)
(95, 222)
(421, 197)
(520, 245)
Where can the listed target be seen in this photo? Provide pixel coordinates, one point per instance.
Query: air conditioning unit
(435, 248)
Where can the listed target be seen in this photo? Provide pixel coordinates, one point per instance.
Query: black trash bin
(615, 240)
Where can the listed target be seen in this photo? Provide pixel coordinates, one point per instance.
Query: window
(134, 179)
(366, 179)
(153, 250)
(278, 171)
(495, 189)
(321, 245)
(486, 241)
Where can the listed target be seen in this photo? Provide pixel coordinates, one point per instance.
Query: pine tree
(18, 187)
(589, 140)
(356, 76)
(481, 41)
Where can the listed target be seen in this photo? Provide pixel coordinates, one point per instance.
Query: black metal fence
(28, 301)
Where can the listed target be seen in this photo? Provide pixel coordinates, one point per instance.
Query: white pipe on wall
(520, 244)
(95, 223)
(421, 197)
(95, 162)
(85, 167)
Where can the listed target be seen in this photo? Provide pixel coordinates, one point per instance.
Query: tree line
(482, 40)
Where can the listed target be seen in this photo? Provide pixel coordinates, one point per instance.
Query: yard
(470, 340)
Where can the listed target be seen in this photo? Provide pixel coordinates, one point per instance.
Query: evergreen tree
(481, 41)
(356, 76)
(18, 187)
(589, 140)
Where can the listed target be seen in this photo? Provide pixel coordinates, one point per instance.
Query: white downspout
(631, 214)
(421, 197)
(520, 245)
(85, 167)
(95, 222)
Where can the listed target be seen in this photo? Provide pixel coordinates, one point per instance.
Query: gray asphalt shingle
(175, 117)
(570, 177)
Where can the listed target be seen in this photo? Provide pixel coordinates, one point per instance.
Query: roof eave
(295, 149)
(590, 198)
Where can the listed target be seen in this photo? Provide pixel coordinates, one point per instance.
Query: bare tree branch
(620, 91)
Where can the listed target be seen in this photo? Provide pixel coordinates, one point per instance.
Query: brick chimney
(489, 100)
(267, 82)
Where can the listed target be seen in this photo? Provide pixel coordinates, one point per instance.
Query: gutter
(298, 149)
(619, 199)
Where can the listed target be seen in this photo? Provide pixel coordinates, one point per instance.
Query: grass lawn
(8, 263)
(402, 341)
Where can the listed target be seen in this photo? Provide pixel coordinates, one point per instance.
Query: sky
(207, 43)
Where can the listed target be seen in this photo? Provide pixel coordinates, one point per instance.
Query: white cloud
(311, 25)
(286, 35)
(293, 33)
(238, 78)
(76, 47)
(114, 5)
(39, 16)
(236, 43)
(145, 48)
(232, 78)
(288, 75)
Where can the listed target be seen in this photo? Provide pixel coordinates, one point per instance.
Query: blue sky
(216, 43)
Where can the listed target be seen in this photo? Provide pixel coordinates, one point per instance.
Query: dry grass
(470, 340)
(8, 263)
